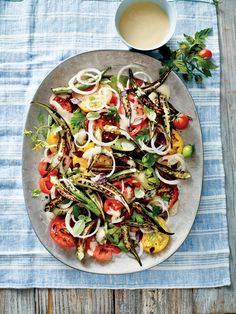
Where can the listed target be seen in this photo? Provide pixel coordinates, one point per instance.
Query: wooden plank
(14, 301)
(41, 299)
(74, 301)
(150, 301)
(223, 300)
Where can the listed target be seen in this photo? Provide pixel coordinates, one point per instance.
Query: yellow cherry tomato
(53, 139)
(82, 162)
(177, 143)
(156, 241)
(94, 100)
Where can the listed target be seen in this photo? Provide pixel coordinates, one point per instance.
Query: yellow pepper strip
(53, 139)
(177, 143)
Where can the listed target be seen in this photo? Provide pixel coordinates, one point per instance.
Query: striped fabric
(34, 37)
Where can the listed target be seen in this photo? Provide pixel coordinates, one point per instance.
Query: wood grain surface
(176, 301)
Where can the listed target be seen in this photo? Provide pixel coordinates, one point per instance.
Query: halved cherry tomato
(137, 128)
(43, 168)
(45, 183)
(174, 195)
(114, 99)
(181, 121)
(205, 53)
(129, 185)
(60, 234)
(171, 190)
(103, 253)
(111, 204)
(64, 103)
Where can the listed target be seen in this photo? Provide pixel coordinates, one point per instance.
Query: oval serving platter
(190, 190)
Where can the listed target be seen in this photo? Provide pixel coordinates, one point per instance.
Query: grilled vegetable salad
(112, 163)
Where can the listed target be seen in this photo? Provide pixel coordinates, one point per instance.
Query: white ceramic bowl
(168, 8)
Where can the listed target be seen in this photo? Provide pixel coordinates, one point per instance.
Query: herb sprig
(113, 113)
(186, 59)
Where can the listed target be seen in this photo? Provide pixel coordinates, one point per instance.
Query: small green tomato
(188, 150)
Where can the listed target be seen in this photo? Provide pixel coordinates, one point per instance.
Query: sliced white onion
(145, 147)
(89, 72)
(92, 137)
(122, 186)
(79, 91)
(170, 182)
(160, 149)
(91, 234)
(67, 205)
(146, 76)
(70, 229)
(174, 159)
(80, 134)
(100, 93)
(53, 192)
(158, 201)
(126, 67)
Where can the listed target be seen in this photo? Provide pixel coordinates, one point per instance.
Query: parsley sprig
(186, 59)
(113, 113)
(77, 120)
(143, 135)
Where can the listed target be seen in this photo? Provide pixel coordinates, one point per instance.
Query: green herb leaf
(137, 217)
(76, 211)
(149, 160)
(143, 135)
(113, 81)
(36, 193)
(77, 120)
(166, 197)
(113, 113)
(186, 59)
(121, 245)
(181, 66)
(156, 211)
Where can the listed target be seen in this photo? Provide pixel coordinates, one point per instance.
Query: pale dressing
(144, 25)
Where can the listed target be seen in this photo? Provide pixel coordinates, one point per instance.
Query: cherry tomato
(60, 234)
(43, 168)
(137, 128)
(114, 99)
(174, 195)
(45, 183)
(111, 204)
(103, 253)
(64, 103)
(205, 53)
(171, 190)
(188, 150)
(181, 121)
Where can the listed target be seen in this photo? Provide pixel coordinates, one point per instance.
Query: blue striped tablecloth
(34, 37)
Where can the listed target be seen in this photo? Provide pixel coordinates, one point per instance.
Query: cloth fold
(34, 37)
